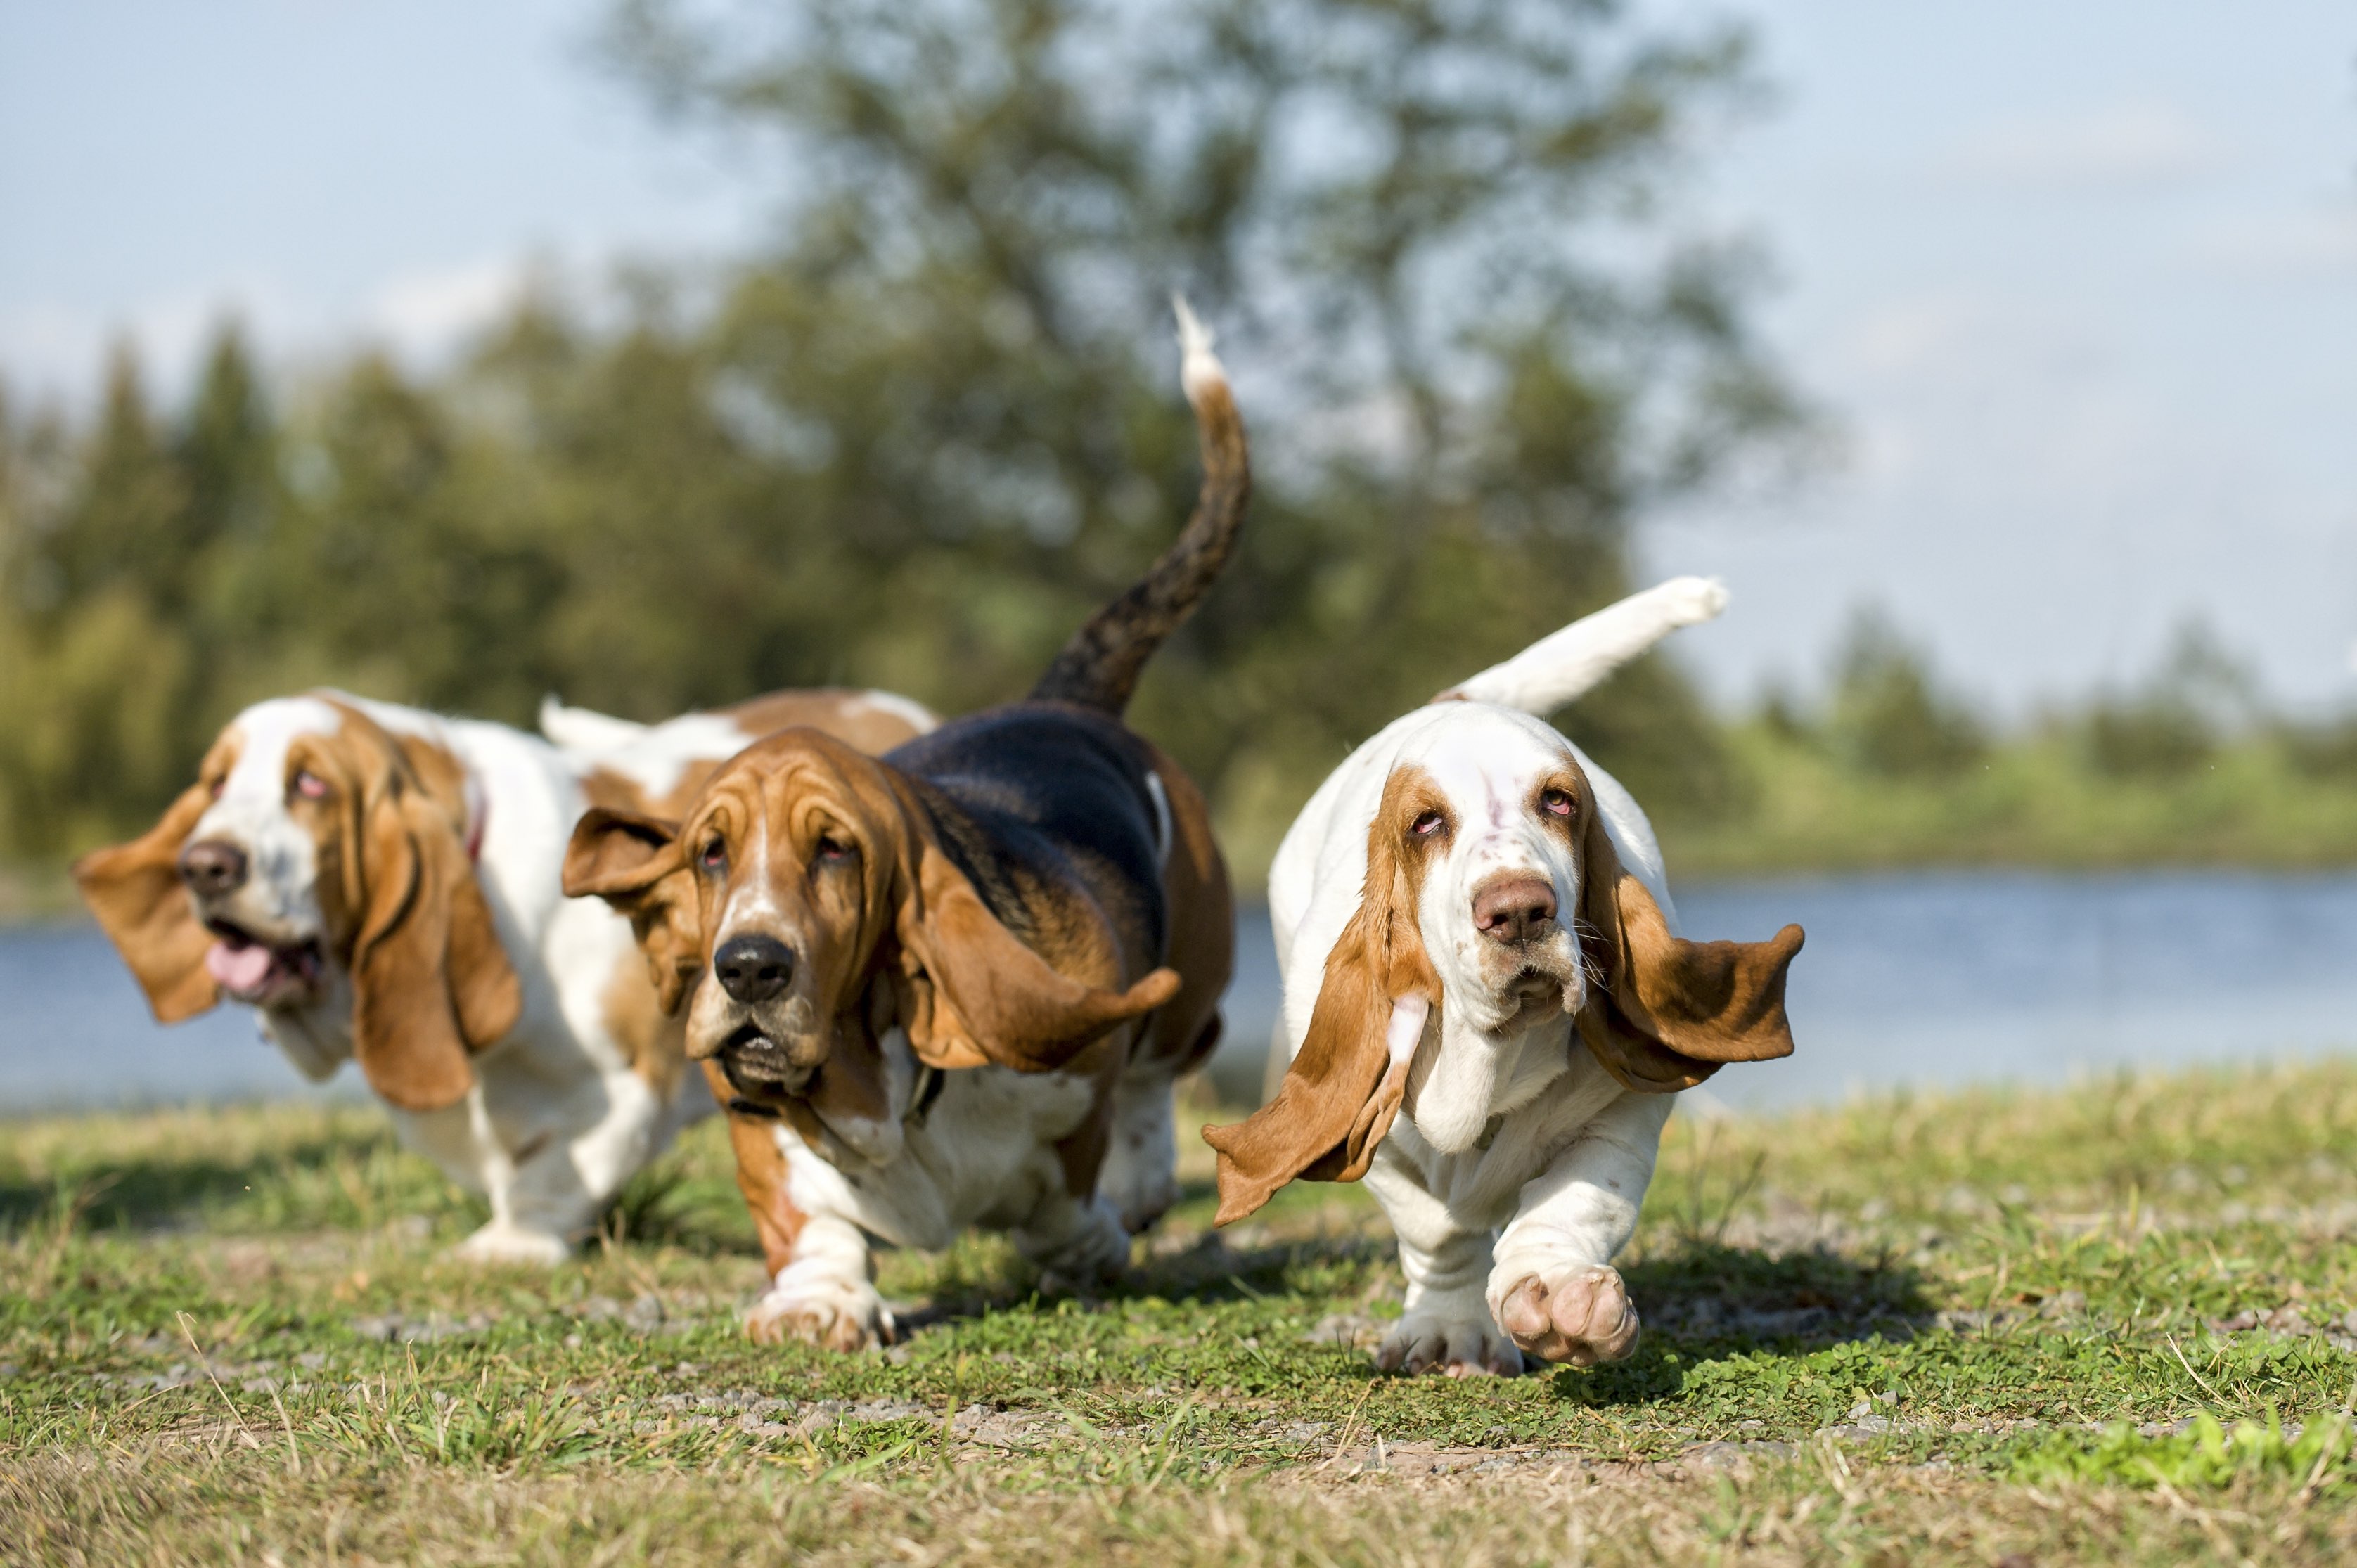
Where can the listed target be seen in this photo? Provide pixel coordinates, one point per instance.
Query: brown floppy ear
(430, 983)
(1344, 1086)
(972, 992)
(1664, 1014)
(134, 891)
(634, 863)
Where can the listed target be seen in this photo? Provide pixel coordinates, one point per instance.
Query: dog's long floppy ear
(431, 984)
(634, 863)
(972, 994)
(134, 891)
(1663, 1013)
(1345, 1084)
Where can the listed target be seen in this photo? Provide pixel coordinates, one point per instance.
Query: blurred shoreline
(1910, 980)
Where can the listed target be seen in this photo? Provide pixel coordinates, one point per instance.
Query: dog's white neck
(1465, 1075)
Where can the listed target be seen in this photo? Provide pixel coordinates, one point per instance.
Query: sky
(2074, 287)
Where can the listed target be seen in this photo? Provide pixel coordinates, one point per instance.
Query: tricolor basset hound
(1488, 1008)
(953, 985)
(382, 884)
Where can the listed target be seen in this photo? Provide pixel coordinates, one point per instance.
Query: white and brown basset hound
(382, 883)
(1489, 1007)
(953, 985)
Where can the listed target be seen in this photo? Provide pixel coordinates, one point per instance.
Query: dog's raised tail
(1567, 664)
(1100, 666)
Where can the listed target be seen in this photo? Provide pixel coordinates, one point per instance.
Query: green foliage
(915, 442)
(2325, 750)
(1889, 717)
(2176, 721)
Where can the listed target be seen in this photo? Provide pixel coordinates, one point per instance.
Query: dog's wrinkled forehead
(264, 734)
(763, 784)
(1486, 760)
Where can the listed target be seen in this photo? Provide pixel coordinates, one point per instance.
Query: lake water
(1913, 979)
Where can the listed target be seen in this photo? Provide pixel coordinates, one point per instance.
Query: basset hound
(1488, 1008)
(382, 884)
(953, 985)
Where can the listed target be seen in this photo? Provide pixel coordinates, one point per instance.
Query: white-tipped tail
(584, 730)
(1198, 368)
(1570, 664)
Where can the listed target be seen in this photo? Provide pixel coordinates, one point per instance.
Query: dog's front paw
(834, 1314)
(1582, 1315)
(1461, 1344)
(503, 1243)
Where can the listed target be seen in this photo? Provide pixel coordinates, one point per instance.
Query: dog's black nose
(212, 869)
(753, 969)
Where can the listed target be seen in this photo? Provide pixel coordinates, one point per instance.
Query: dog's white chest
(982, 1154)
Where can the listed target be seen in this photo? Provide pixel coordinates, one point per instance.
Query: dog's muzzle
(760, 1069)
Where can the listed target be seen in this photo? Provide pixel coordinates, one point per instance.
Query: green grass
(1908, 1331)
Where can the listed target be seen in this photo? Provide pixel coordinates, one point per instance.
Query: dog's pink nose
(1513, 908)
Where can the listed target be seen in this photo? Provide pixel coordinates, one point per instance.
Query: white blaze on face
(277, 908)
(1490, 766)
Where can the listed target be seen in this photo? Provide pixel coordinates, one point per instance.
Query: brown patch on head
(1342, 1089)
(134, 891)
(1663, 1013)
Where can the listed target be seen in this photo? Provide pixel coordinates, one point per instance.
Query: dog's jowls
(1488, 1008)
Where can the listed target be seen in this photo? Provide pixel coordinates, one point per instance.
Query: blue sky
(2077, 283)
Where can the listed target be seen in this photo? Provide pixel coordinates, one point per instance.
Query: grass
(2107, 1325)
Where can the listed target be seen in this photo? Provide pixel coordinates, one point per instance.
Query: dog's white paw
(1581, 1315)
(835, 1314)
(502, 1243)
(1463, 1344)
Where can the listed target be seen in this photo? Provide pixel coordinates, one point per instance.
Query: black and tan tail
(1100, 666)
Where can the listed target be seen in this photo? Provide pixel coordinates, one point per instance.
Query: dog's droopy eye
(715, 855)
(308, 784)
(1556, 800)
(217, 786)
(832, 849)
(1428, 824)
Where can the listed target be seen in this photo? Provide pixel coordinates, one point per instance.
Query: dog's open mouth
(261, 974)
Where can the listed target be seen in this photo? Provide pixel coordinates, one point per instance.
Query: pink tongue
(240, 968)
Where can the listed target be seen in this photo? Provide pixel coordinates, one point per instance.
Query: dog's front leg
(527, 1225)
(823, 1296)
(1553, 1285)
(821, 1289)
(1445, 1324)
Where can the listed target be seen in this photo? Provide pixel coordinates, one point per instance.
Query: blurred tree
(2175, 722)
(1403, 213)
(1888, 714)
(935, 424)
